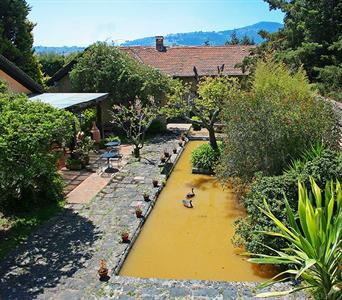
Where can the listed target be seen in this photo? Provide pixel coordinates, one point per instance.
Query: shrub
(3, 86)
(205, 157)
(326, 165)
(110, 138)
(28, 173)
(196, 123)
(156, 127)
(269, 125)
(89, 116)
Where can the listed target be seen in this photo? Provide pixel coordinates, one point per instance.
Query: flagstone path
(60, 260)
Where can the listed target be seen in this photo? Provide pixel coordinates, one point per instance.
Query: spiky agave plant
(315, 236)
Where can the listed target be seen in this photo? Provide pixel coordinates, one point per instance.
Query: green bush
(271, 124)
(325, 166)
(156, 127)
(89, 116)
(3, 86)
(196, 125)
(28, 173)
(205, 157)
(110, 138)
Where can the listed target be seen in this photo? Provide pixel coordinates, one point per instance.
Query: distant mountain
(60, 50)
(215, 38)
(197, 38)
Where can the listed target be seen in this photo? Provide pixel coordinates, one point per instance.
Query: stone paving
(60, 260)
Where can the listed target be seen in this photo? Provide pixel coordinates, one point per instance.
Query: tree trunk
(136, 152)
(212, 138)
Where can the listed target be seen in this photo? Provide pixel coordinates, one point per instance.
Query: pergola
(75, 102)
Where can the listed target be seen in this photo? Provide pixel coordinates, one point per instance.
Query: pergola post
(99, 118)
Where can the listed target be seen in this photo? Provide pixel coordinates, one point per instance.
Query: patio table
(111, 155)
(112, 144)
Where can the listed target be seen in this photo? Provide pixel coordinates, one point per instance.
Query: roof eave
(19, 75)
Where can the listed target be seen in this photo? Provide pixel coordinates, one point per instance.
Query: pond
(191, 243)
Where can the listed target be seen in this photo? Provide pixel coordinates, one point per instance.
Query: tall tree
(16, 38)
(234, 40)
(312, 37)
(246, 40)
(103, 68)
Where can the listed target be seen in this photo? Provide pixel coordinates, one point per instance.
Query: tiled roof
(180, 61)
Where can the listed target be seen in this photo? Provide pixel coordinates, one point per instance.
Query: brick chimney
(160, 43)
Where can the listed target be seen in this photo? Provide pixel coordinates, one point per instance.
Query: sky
(82, 22)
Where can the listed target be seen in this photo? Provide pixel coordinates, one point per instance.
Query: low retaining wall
(166, 171)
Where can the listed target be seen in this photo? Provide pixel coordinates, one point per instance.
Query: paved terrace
(61, 259)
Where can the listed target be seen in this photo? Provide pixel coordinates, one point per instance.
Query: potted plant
(162, 159)
(155, 182)
(74, 164)
(103, 270)
(182, 137)
(166, 153)
(138, 212)
(82, 149)
(146, 196)
(174, 150)
(180, 144)
(125, 235)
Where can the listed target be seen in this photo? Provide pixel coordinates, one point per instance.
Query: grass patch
(16, 228)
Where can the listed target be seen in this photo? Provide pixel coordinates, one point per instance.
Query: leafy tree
(28, 173)
(312, 37)
(206, 105)
(315, 241)
(103, 68)
(51, 62)
(234, 40)
(272, 123)
(16, 37)
(135, 119)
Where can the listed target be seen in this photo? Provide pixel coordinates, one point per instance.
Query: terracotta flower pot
(85, 160)
(125, 237)
(103, 273)
(95, 132)
(146, 197)
(174, 151)
(155, 183)
(138, 213)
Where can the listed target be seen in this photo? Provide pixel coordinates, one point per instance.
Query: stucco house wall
(13, 85)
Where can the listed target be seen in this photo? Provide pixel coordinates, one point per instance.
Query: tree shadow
(57, 250)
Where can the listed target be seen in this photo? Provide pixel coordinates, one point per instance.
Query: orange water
(183, 243)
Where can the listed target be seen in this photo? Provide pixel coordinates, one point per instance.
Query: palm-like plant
(315, 237)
